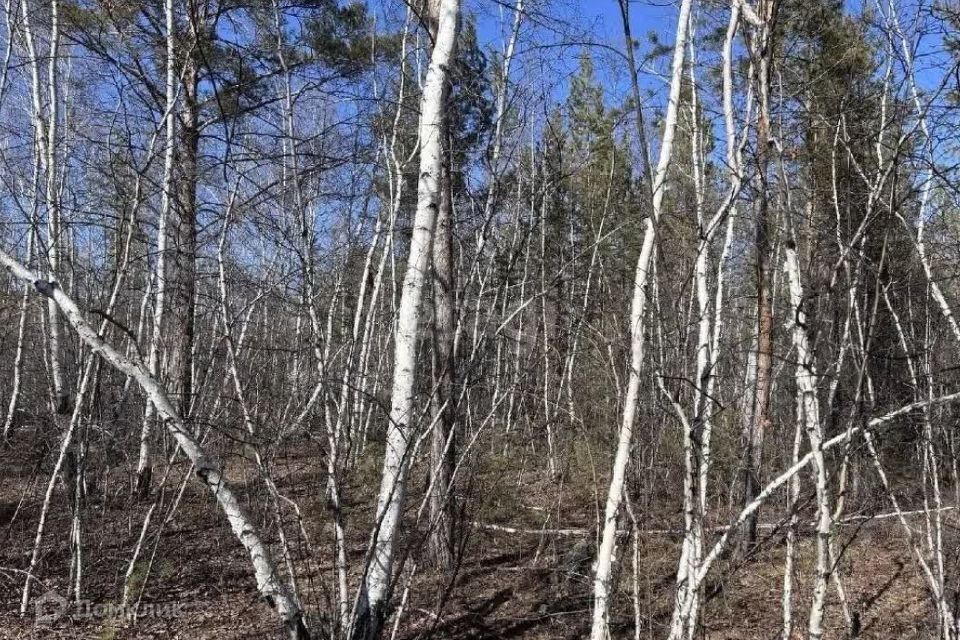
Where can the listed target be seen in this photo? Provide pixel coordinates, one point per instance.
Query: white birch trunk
(18, 356)
(268, 581)
(806, 378)
(789, 474)
(602, 583)
(160, 278)
(377, 584)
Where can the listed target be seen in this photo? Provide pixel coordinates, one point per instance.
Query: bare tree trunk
(806, 376)
(9, 15)
(144, 467)
(442, 454)
(602, 583)
(762, 50)
(268, 582)
(183, 268)
(793, 506)
(637, 98)
(545, 343)
(45, 134)
(787, 475)
(377, 584)
(64, 459)
(45, 146)
(934, 553)
(18, 356)
(54, 228)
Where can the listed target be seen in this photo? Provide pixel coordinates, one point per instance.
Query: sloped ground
(510, 584)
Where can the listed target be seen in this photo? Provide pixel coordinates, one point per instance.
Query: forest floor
(510, 584)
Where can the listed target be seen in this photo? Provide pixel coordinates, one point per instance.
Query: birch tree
(375, 591)
(603, 573)
(144, 467)
(206, 469)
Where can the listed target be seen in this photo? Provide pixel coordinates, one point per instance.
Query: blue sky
(590, 21)
(553, 23)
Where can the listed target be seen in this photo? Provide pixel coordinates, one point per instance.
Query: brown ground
(509, 585)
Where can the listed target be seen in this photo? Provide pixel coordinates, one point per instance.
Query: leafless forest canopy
(479, 319)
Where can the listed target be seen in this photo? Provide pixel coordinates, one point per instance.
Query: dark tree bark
(757, 425)
(443, 439)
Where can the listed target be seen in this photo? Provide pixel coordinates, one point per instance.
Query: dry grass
(508, 585)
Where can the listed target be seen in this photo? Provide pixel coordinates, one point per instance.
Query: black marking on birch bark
(63, 404)
(204, 468)
(109, 318)
(45, 288)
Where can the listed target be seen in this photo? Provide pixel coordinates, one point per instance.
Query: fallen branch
(668, 532)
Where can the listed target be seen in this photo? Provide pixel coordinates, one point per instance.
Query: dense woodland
(486, 319)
